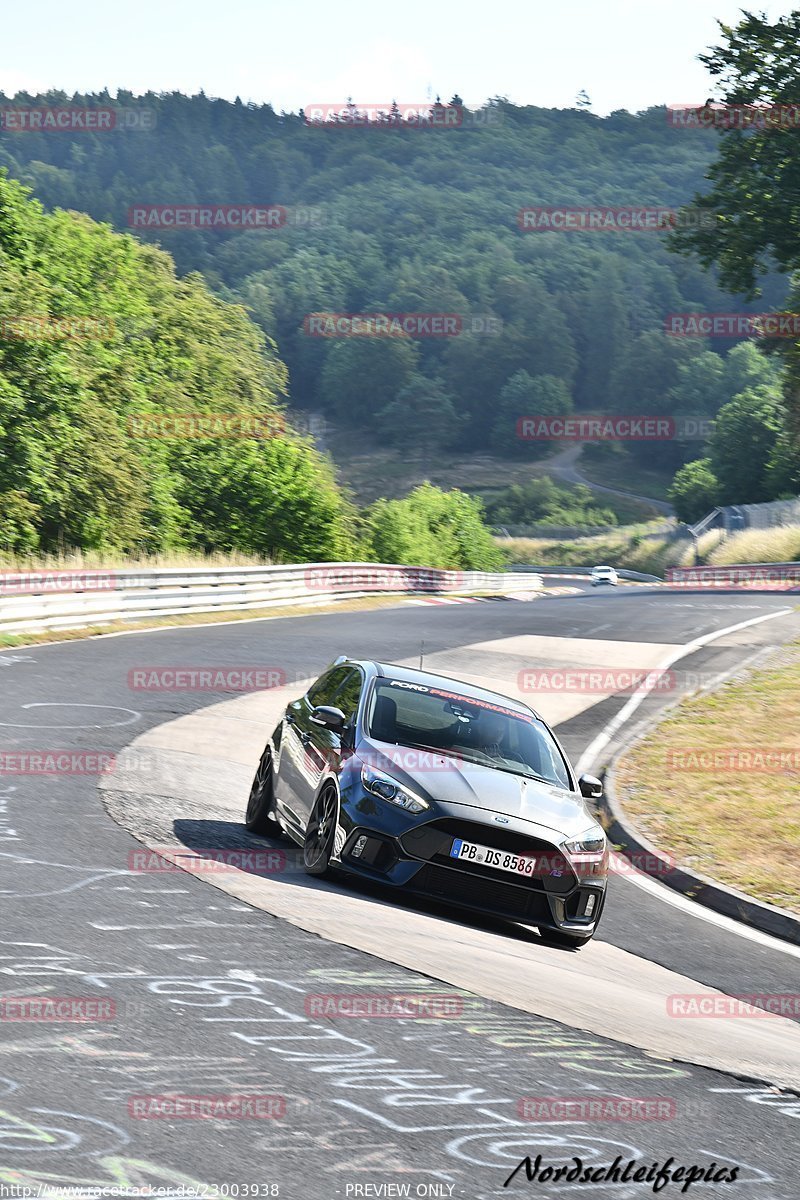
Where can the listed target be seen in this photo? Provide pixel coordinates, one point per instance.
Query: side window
(325, 689)
(349, 694)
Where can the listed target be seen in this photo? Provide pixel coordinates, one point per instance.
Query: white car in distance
(604, 575)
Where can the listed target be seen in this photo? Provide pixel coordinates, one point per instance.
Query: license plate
(516, 864)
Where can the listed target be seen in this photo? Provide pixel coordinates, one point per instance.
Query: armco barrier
(51, 599)
(763, 577)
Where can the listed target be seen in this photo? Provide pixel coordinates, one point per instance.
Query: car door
(296, 779)
(324, 749)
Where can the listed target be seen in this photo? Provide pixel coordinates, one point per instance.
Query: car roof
(469, 690)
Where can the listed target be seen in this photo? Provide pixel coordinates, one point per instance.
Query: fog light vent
(358, 849)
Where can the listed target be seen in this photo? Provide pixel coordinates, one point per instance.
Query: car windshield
(479, 731)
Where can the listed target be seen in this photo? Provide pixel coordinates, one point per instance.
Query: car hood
(446, 781)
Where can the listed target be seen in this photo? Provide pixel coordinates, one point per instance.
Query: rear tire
(260, 816)
(320, 833)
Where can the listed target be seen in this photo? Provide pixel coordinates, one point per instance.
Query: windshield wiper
(509, 771)
(433, 749)
(421, 746)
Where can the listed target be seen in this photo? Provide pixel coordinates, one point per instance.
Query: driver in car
(489, 735)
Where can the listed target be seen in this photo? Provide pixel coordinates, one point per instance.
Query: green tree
(783, 468)
(755, 180)
(75, 470)
(363, 375)
(526, 395)
(423, 414)
(433, 528)
(602, 318)
(543, 500)
(695, 490)
(743, 444)
(277, 499)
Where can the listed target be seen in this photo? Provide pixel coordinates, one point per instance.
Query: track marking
(131, 720)
(662, 892)
(602, 740)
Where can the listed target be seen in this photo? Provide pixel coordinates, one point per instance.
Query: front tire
(260, 816)
(320, 833)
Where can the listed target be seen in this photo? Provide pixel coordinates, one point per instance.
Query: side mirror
(591, 788)
(328, 718)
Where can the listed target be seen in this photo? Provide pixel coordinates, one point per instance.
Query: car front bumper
(416, 859)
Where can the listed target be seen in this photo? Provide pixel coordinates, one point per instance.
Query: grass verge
(757, 545)
(737, 825)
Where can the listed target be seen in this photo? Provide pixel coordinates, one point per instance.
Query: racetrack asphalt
(210, 995)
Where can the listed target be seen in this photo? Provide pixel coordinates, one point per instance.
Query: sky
(624, 53)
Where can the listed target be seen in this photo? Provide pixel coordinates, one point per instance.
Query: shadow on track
(205, 837)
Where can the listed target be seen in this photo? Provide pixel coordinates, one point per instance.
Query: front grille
(433, 840)
(486, 894)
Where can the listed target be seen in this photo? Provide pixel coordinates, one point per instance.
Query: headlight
(388, 789)
(593, 841)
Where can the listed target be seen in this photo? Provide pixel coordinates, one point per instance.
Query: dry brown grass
(626, 548)
(740, 826)
(759, 545)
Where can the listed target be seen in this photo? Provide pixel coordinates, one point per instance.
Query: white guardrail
(45, 599)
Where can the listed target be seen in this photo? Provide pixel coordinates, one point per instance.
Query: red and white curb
(538, 595)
